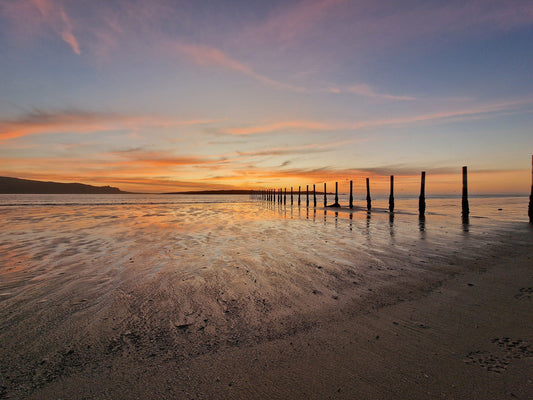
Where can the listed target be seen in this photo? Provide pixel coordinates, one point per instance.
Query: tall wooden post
(368, 199)
(299, 190)
(292, 201)
(307, 196)
(466, 208)
(314, 195)
(351, 194)
(285, 196)
(336, 192)
(530, 210)
(422, 198)
(391, 195)
(325, 196)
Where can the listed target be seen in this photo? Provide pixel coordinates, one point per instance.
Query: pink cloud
(56, 17)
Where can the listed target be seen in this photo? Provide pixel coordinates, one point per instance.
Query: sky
(169, 95)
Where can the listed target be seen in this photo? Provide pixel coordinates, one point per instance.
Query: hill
(25, 186)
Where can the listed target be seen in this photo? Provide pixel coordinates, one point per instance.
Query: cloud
(57, 18)
(474, 111)
(74, 121)
(362, 89)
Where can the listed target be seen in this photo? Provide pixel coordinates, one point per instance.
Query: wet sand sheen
(232, 300)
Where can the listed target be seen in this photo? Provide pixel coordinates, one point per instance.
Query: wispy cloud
(74, 121)
(57, 18)
(472, 111)
(363, 89)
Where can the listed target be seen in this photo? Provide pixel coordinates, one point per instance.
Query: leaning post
(530, 210)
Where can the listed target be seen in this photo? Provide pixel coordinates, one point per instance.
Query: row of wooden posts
(280, 195)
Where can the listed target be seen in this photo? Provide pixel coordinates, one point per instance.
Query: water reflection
(466, 222)
(351, 220)
(391, 223)
(422, 226)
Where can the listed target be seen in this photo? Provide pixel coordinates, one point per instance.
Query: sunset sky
(164, 95)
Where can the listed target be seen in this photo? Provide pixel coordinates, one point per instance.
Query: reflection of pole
(351, 194)
(368, 199)
(391, 196)
(325, 196)
(422, 198)
(530, 211)
(466, 209)
(314, 195)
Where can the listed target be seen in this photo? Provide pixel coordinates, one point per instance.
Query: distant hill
(214, 192)
(25, 186)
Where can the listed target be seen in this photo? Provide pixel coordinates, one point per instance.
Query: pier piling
(292, 201)
(391, 195)
(299, 190)
(314, 196)
(351, 194)
(325, 196)
(307, 196)
(464, 203)
(368, 199)
(422, 197)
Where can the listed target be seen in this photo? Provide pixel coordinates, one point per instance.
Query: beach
(111, 297)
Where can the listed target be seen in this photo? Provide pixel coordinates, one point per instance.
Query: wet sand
(248, 301)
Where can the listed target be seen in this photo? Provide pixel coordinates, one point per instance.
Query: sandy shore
(259, 308)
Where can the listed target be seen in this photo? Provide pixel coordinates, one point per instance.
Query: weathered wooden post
(307, 197)
(466, 209)
(292, 201)
(422, 197)
(314, 196)
(325, 196)
(299, 190)
(391, 195)
(336, 204)
(285, 196)
(368, 199)
(530, 210)
(351, 195)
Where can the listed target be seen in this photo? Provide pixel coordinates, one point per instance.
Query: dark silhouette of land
(230, 191)
(25, 186)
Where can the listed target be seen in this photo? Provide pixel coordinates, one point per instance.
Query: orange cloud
(39, 122)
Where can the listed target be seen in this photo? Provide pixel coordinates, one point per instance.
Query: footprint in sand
(525, 293)
(510, 349)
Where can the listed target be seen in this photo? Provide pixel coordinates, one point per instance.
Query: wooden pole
(336, 204)
(292, 201)
(299, 190)
(351, 194)
(422, 198)
(530, 210)
(391, 195)
(368, 199)
(285, 196)
(307, 196)
(314, 195)
(325, 196)
(466, 208)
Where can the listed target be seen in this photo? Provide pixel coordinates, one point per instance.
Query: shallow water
(89, 280)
